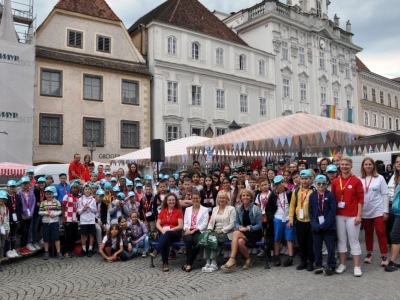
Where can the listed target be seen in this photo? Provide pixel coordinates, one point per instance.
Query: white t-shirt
(282, 212)
(373, 199)
(113, 242)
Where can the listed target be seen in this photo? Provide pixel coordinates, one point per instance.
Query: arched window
(195, 51)
(172, 45)
(241, 62)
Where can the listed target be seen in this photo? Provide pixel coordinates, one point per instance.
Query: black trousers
(25, 224)
(71, 233)
(305, 240)
(191, 250)
(12, 237)
(329, 238)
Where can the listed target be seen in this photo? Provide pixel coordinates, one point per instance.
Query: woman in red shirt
(349, 193)
(169, 224)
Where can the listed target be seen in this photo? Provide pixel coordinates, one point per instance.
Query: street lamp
(91, 148)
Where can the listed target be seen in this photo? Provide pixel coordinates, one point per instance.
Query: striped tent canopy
(288, 134)
(175, 153)
(9, 169)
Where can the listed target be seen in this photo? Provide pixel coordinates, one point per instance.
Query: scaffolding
(23, 16)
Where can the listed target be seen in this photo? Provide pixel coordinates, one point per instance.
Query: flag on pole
(331, 111)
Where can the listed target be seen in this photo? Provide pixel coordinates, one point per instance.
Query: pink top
(194, 219)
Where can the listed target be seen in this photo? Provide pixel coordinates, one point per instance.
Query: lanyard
(13, 202)
(47, 206)
(169, 215)
(208, 196)
(188, 196)
(65, 189)
(367, 186)
(41, 196)
(304, 198)
(321, 209)
(343, 187)
(283, 205)
(264, 200)
(26, 200)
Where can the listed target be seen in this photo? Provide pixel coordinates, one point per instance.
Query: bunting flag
(331, 111)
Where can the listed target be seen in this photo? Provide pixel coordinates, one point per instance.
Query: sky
(375, 24)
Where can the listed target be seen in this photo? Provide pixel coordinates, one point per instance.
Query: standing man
(75, 169)
(100, 173)
(282, 166)
(196, 167)
(85, 177)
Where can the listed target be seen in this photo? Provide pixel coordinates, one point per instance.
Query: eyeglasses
(321, 183)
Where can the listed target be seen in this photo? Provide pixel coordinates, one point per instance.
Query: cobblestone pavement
(93, 278)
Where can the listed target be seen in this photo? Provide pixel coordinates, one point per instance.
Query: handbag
(208, 240)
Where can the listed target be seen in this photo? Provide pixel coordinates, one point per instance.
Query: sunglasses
(321, 183)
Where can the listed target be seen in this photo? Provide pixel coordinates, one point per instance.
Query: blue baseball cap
(94, 185)
(137, 179)
(147, 177)
(30, 170)
(122, 177)
(54, 190)
(103, 181)
(107, 173)
(139, 185)
(49, 189)
(176, 176)
(75, 182)
(62, 174)
(3, 195)
(129, 183)
(100, 192)
(94, 173)
(116, 189)
(305, 173)
(131, 194)
(41, 179)
(113, 179)
(166, 176)
(278, 179)
(121, 196)
(24, 179)
(107, 185)
(331, 168)
(320, 178)
(11, 183)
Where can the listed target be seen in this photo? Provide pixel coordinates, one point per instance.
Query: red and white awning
(9, 169)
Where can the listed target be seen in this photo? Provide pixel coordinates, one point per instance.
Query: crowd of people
(294, 208)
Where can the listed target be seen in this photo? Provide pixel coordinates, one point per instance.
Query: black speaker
(157, 150)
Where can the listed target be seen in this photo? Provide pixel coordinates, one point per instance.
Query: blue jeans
(33, 230)
(164, 243)
(142, 244)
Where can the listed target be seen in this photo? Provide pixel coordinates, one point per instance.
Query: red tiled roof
(361, 65)
(189, 14)
(396, 79)
(94, 8)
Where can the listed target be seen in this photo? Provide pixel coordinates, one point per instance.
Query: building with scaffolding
(17, 71)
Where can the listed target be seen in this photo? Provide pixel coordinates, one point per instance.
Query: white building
(315, 61)
(205, 76)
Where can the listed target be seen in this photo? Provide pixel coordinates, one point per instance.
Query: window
(365, 92)
(263, 107)
(221, 99)
(347, 70)
(130, 134)
(171, 45)
(220, 131)
(50, 83)
(241, 62)
(285, 50)
(243, 104)
(74, 38)
(322, 60)
(348, 100)
(173, 132)
(51, 129)
(374, 120)
(397, 124)
(336, 98)
(93, 131)
(302, 57)
(396, 102)
(390, 123)
(286, 88)
(323, 95)
(196, 95)
(103, 43)
(366, 118)
(303, 92)
(389, 100)
(172, 95)
(334, 66)
(381, 97)
(130, 92)
(92, 87)
(319, 8)
(383, 122)
(195, 51)
(373, 95)
(219, 57)
(196, 131)
(261, 67)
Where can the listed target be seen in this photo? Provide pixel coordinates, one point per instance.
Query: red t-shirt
(170, 219)
(85, 176)
(353, 194)
(78, 168)
(100, 176)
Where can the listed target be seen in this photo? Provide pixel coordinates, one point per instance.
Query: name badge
(301, 216)
(166, 228)
(321, 219)
(2, 230)
(149, 214)
(14, 216)
(341, 204)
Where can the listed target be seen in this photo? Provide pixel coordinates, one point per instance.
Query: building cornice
(378, 106)
(379, 79)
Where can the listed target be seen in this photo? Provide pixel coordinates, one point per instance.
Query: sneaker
(10, 254)
(154, 254)
(319, 270)
(329, 271)
(249, 250)
(227, 254)
(31, 248)
(303, 265)
(391, 267)
(277, 261)
(212, 268)
(357, 272)
(83, 253)
(46, 256)
(255, 251)
(384, 261)
(261, 253)
(41, 242)
(165, 268)
(325, 252)
(310, 266)
(172, 255)
(24, 251)
(15, 253)
(37, 246)
(288, 262)
(59, 255)
(205, 268)
(90, 253)
(340, 269)
(368, 258)
(144, 254)
(180, 250)
(283, 250)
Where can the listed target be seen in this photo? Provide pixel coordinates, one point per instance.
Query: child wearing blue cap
(4, 223)
(30, 173)
(63, 188)
(38, 191)
(70, 218)
(87, 211)
(118, 208)
(322, 211)
(14, 206)
(132, 204)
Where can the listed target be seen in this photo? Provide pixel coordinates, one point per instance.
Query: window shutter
(107, 43)
(71, 38)
(78, 38)
(237, 62)
(100, 43)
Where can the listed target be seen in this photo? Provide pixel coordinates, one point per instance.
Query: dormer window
(74, 38)
(103, 44)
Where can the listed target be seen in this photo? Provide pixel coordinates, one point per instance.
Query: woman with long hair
(133, 172)
(86, 161)
(235, 198)
(323, 164)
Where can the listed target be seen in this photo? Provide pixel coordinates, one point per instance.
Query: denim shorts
(280, 228)
(51, 231)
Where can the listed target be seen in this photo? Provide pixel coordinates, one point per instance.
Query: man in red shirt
(85, 177)
(75, 169)
(100, 172)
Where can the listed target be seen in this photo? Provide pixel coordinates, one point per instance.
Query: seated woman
(169, 224)
(139, 238)
(247, 230)
(195, 222)
(222, 222)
